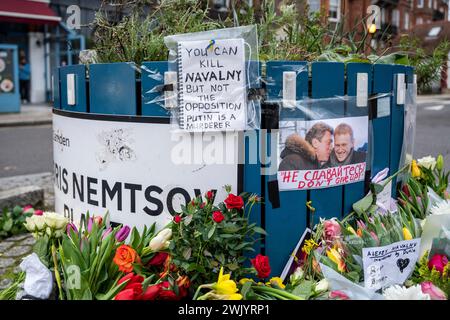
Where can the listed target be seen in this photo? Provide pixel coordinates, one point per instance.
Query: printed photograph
(321, 144)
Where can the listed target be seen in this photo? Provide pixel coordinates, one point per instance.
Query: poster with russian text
(212, 93)
(319, 154)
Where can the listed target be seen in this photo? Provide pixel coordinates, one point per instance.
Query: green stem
(57, 276)
(198, 290)
(274, 291)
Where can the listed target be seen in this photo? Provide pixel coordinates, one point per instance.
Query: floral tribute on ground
(384, 249)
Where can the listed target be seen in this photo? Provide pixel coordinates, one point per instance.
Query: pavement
(30, 114)
(12, 250)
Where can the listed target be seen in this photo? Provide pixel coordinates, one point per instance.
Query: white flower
(297, 275)
(322, 285)
(35, 223)
(29, 224)
(428, 162)
(397, 292)
(442, 207)
(161, 241)
(55, 221)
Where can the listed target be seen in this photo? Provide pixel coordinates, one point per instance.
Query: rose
(434, 292)
(177, 219)
(161, 240)
(35, 223)
(322, 285)
(27, 208)
(234, 202)
(38, 212)
(262, 266)
(125, 257)
(438, 261)
(218, 216)
(158, 259)
(55, 221)
(428, 162)
(332, 230)
(209, 195)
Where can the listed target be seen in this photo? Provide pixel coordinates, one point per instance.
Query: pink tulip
(26, 208)
(106, 232)
(438, 261)
(332, 230)
(71, 226)
(361, 225)
(339, 295)
(434, 292)
(38, 212)
(374, 236)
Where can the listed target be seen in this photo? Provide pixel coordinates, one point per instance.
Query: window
(419, 3)
(406, 24)
(395, 17)
(383, 15)
(335, 10)
(314, 6)
(419, 20)
(434, 31)
(430, 3)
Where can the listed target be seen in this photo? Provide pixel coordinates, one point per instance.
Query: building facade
(39, 28)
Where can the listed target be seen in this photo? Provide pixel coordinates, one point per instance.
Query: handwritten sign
(212, 93)
(323, 178)
(391, 264)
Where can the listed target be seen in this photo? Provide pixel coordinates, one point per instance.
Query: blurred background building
(46, 38)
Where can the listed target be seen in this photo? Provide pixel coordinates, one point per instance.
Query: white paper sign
(391, 264)
(132, 169)
(384, 197)
(212, 94)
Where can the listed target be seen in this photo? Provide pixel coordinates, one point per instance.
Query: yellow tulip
(334, 256)
(276, 282)
(415, 170)
(406, 234)
(350, 228)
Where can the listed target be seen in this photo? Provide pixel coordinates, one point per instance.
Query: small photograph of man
(311, 152)
(325, 144)
(343, 151)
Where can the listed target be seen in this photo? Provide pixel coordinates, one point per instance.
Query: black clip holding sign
(270, 121)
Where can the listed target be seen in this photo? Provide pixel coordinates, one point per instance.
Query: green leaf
(378, 188)
(112, 292)
(211, 231)
(7, 225)
(187, 253)
(260, 230)
(304, 289)
(363, 205)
